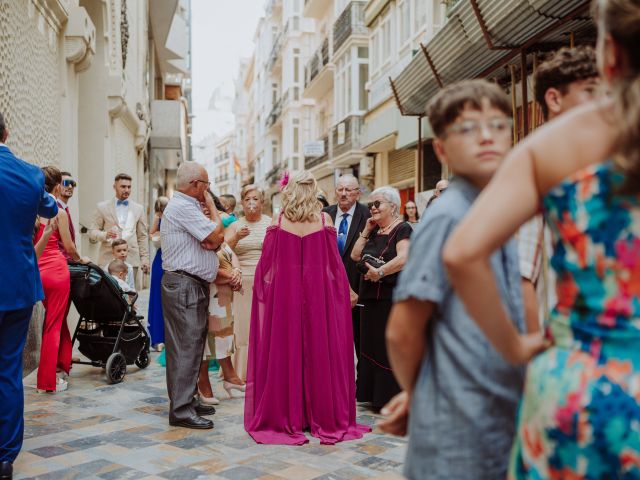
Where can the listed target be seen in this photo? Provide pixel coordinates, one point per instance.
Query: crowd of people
(448, 323)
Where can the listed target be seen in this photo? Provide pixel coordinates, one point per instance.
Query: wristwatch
(380, 273)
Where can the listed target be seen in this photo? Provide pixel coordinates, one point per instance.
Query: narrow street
(100, 431)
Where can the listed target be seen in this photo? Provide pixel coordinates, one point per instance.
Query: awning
(480, 37)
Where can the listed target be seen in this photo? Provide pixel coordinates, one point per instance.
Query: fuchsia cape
(301, 372)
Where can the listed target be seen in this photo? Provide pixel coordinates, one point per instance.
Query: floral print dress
(580, 415)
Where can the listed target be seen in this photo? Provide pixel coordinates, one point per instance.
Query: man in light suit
(120, 217)
(350, 217)
(22, 197)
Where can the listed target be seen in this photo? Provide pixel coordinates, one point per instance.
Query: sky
(221, 34)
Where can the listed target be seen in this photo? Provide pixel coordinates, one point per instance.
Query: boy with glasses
(462, 394)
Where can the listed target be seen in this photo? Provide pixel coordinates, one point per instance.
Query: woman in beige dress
(245, 237)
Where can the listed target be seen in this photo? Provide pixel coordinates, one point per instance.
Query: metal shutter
(402, 166)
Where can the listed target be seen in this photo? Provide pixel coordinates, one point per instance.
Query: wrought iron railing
(350, 22)
(346, 135)
(318, 61)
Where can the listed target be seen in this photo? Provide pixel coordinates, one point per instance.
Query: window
(296, 65)
(419, 14)
(363, 76)
(404, 21)
(374, 49)
(296, 136)
(386, 39)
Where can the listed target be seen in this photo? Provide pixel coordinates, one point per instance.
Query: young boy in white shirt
(120, 250)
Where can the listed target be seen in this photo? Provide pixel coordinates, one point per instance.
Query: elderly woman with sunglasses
(381, 252)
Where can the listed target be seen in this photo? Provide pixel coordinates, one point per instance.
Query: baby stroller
(109, 332)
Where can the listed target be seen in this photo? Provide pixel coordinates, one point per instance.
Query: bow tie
(122, 202)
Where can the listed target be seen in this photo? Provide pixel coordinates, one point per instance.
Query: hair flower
(284, 180)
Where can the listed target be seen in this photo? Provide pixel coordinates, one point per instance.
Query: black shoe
(193, 422)
(204, 410)
(6, 471)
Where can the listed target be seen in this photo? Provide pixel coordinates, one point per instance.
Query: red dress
(55, 352)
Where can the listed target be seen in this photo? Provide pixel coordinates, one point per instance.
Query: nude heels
(207, 400)
(229, 387)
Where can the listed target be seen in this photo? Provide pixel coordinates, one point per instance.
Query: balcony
(346, 135)
(274, 56)
(275, 112)
(350, 22)
(318, 73)
(272, 175)
(221, 178)
(310, 162)
(274, 8)
(168, 139)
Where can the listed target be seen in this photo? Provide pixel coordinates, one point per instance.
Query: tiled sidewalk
(101, 431)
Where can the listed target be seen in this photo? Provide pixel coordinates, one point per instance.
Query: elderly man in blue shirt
(23, 198)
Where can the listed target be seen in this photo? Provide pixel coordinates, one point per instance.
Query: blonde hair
(251, 188)
(300, 198)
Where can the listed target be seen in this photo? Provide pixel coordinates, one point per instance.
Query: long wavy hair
(300, 198)
(621, 19)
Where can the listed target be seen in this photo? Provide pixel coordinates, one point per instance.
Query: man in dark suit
(22, 197)
(350, 218)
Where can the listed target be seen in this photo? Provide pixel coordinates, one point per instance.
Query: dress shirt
(349, 213)
(184, 226)
(122, 211)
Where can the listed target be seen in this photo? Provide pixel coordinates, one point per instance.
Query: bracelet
(366, 237)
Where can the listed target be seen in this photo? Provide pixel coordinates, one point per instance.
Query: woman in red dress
(55, 352)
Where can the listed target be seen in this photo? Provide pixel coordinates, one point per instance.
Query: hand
(85, 260)
(243, 232)
(208, 201)
(353, 296)
(145, 268)
(529, 345)
(50, 227)
(207, 245)
(372, 273)
(371, 224)
(112, 235)
(396, 414)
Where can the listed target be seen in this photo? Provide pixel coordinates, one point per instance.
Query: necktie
(122, 202)
(342, 232)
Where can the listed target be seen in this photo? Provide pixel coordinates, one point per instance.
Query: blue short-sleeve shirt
(464, 406)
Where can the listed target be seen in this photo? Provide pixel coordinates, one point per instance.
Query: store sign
(313, 149)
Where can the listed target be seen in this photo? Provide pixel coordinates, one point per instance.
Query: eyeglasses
(375, 204)
(67, 182)
(473, 128)
(202, 181)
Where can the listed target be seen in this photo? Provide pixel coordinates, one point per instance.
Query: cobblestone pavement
(100, 431)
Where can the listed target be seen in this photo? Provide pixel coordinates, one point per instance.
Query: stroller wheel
(143, 359)
(116, 368)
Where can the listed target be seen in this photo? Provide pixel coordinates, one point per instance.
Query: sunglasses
(67, 182)
(375, 204)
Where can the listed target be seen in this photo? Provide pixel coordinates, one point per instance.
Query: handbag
(371, 260)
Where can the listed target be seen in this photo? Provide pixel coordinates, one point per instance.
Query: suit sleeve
(142, 232)
(96, 230)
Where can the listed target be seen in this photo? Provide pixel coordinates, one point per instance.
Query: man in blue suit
(22, 197)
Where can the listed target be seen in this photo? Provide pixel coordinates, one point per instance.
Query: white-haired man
(188, 237)
(350, 218)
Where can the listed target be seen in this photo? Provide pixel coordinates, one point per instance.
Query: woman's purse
(371, 260)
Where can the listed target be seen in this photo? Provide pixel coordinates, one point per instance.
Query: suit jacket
(135, 232)
(22, 197)
(360, 216)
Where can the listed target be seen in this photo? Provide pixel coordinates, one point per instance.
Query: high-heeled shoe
(229, 387)
(207, 400)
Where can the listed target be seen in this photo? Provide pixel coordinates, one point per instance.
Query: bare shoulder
(577, 139)
(327, 219)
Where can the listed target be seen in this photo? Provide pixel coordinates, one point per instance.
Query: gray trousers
(185, 303)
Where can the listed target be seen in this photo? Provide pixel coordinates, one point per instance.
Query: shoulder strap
(322, 217)
(280, 219)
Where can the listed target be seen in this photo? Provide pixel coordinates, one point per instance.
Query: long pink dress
(301, 371)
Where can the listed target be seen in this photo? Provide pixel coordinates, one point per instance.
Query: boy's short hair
(562, 68)
(117, 266)
(445, 107)
(117, 242)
